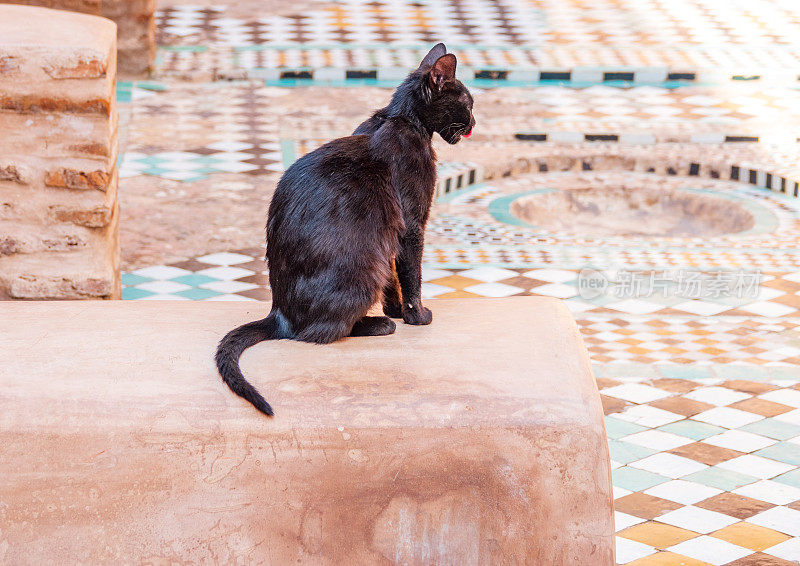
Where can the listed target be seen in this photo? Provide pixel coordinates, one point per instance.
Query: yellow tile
(657, 535)
(750, 536)
(456, 281)
(667, 559)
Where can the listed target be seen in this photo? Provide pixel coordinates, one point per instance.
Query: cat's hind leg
(373, 326)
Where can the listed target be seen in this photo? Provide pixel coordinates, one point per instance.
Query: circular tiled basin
(633, 211)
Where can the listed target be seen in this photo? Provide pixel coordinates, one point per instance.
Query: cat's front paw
(417, 315)
(393, 310)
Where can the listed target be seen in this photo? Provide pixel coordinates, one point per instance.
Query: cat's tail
(237, 341)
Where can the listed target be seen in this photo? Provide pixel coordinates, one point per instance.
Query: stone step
(58, 176)
(476, 440)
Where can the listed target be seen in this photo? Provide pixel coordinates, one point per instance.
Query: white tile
(681, 491)
(756, 466)
(740, 440)
(225, 258)
(552, 275)
(163, 286)
(711, 550)
(161, 272)
(770, 491)
(648, 416)
(163, 297)
(790, 397)
(636, 392)
(792, 417)
(558, 290)
(181, 166)
(226, 273)
(230, 146)
(727, 417)
(431, 273)
(668, 465)
(635, 306)
(228, 286)
(781, 519)
(488, 274)
(697, 519)
(432, 290)
(234, 166)
(622, 520)
(494, 290)
(767, 308)
(629, 550)
(788, 550)
(657, 440)
(620, 491)
(718, 396)
(177, 155)
(703, 308)
(792, 277)
(576, 306)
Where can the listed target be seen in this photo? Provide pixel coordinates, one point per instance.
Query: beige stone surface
(135, 21)
(58, 179)
(476, 440)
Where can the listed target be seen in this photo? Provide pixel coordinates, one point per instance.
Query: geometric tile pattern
(361, 22)
(551, 35)
(491, 281)
(613, 22)
(705, 471)
(198, 163)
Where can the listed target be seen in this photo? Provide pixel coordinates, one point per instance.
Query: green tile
(197, 294)
(789, 478)
(131, 279)
(725, 480)
(617, 428)
(772, 428)
(151, 85)
(132, 293)
(783, 372)
(753, 373)
(685, 371)
(625, 452)
(629, 369)
(152, 160)
(692, 429)
(195, 279)
(782, 452)
(635, 480)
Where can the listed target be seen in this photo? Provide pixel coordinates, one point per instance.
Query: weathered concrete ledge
(476, 440)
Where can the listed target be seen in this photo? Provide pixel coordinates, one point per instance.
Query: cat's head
(444, 104)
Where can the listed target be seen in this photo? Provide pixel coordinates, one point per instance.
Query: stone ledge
(476, 440)
(64, 62)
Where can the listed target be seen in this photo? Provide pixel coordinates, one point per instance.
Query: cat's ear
(438, 50)
(444, 70)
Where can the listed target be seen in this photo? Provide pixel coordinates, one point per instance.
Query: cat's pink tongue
(468, 134)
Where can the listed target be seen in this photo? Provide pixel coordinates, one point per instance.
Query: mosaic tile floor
(745, 37)
(695, 341)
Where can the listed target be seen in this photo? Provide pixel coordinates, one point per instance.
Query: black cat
(346, 223)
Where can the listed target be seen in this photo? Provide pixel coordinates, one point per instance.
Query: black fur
(346, 223)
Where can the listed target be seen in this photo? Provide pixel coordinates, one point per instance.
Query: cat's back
(341, 179)
(342, 159)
